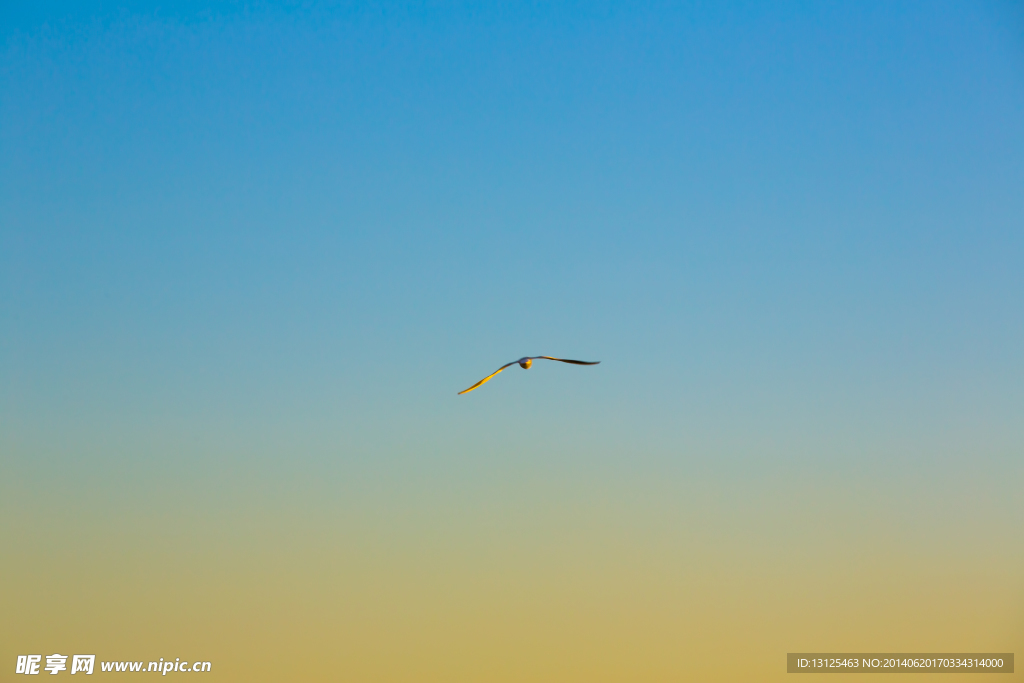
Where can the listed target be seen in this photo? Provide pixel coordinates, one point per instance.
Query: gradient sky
(250, 252)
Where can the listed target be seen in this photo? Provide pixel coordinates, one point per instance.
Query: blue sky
(334, 217)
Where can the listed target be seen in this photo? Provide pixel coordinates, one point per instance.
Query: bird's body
(525, 362)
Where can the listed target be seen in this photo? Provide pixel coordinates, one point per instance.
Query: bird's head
(525, 363)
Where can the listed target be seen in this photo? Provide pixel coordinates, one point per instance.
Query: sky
(250, 252)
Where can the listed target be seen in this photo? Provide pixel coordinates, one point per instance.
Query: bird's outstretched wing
(563, 360)
(488, 377)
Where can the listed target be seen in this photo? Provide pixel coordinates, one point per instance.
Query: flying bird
(525, 364)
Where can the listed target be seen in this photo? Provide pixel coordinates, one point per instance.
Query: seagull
(525, 364)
